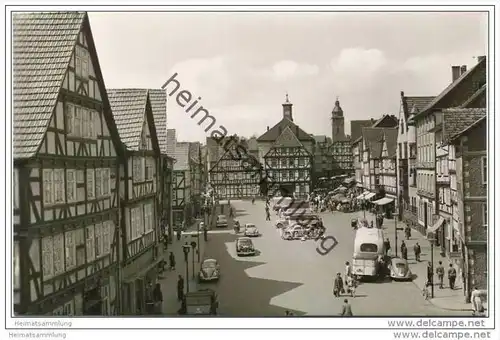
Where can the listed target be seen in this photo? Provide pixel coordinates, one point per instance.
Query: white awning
(360, 185)
(384, 201)
(370, 196)
(360, 196)
(436, 225)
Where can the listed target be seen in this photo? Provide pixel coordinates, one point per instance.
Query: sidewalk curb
(441, 307)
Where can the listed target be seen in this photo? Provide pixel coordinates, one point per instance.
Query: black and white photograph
(230, 163)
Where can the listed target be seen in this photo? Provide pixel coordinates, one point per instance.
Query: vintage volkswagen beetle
(399, 269)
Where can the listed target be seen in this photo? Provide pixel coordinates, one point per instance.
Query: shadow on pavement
(239, 294)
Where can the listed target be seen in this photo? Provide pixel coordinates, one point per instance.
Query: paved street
(292, 275)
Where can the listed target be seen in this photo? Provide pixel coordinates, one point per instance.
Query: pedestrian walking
(440, 274)
(407, 232)
(348, 272)
(338, 285)
(268, 216)
(171, 260)
(404, 250)
(452, 276)
(346, 309)
(477, 302)
(417, 250)
(180, 288)
(371, 224)
(387, 246)
(158, 298)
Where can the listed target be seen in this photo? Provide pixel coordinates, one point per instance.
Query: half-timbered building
(66, 158)
(231, 175)
(138, 194)
(387, 166)
(286, 151)
(158, 100)
(182, 207)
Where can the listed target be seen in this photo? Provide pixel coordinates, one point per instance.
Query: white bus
(368, 246)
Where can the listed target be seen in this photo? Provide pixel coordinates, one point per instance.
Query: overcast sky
(241, 64)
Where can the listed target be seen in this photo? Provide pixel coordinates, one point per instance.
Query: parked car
(294, 232)
(244, 246)
(221, 221)
(209, 271)
(399, 269)
(282, 223)
(251, 230)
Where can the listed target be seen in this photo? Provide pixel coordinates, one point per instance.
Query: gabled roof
(42, 46)
(129, 111)
(275, 131)
(457, 119)
(320, 138)
(171, 141)
(158, 98)
(391, 139)
(471, 102)
(181, 156)
(434, 104)
(373, 139)
(357, 127)
(476, 123)
(386, 121)
(287, 139)
(415, 102)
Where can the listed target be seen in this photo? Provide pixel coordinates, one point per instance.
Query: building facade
(387, 165)
(464, 86)
(406, 153)
(470, 204)
(182, 207)
(322, 160)
(286, 151)
(231, 175)
(139, 196)
(66, 165)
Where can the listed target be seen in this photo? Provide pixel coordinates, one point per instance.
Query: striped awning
(436, 225)
(369, 196)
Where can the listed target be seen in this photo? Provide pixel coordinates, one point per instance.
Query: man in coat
(387, 246)
(452, 276)
(180, 288)
(338, 285)
(440, 274)
(346, 309)
(404, 250)
(417, 250)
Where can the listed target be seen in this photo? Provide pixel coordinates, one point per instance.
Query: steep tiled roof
(391, 139)
(456, 120)
(477, 122)
(181, 156)
(417, 102)
(42, 46)
(471, 102)
(171, 141)
(373, 138)
(275, 131)
(320, 139)
(386, 121)
(158, 98)
(358, 125)
(129, 111)
(287, 139)
(436, 101)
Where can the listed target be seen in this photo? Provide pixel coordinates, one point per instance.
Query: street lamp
(185, 249)
(198, 237)
(395, 232)
(193, 245)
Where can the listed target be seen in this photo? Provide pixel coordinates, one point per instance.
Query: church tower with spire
(338, 133)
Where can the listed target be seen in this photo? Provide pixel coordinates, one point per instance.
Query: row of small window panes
(286, 174)
(339, 150)
(287, 151)
(54, 186)
(82, 122)
(143, 168)
(141, 221)
(342, 158)
(288, 162)
(66, 251)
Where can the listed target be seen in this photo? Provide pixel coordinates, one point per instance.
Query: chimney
(455, 73)
(372, 120)
(297, 130)
(481, 58)
(463, 69)
(268, 128)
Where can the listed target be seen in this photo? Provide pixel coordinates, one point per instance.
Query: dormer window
(81, 62)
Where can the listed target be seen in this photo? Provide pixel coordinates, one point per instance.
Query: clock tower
(338, 133)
